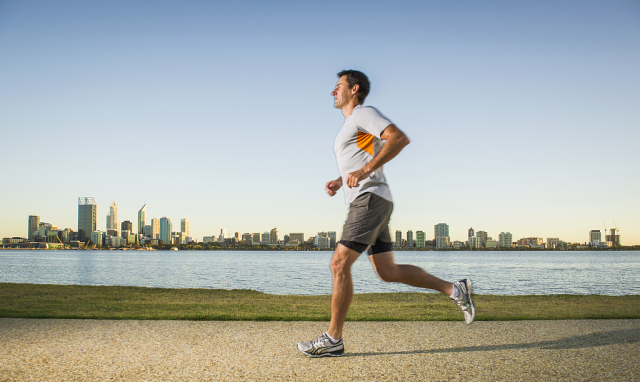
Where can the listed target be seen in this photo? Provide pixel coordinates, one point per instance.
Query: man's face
(342, 95)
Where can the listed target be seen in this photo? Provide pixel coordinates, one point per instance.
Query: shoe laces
(320, 341)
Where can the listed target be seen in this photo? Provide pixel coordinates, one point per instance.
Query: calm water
(307, 273)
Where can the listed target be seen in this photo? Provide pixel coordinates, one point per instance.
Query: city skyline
(162, 228)
(522, 117)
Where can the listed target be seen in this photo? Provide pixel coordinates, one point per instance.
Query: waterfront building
(87, 214)
(490, 243)
(97, 238)
(398, 238)
(595, 236)
(112, 218)
(165, 230)
(332, 239)
(126, 225)
(175, 238)
(147, 231)
(296, 236)
(209, 239)
(273, 236)
(531, 242)
(471, 232)
(246, 239)
(265, 238)
(34, 224)
(322, 241)
(409, 239)
(613, 237)
(505, 239)
(142, 218)
(474, 242)
(155, 229)
(458, 244)
(442, 238)
(482, 238)
(421, 238)
(255, 238)
(184, 226)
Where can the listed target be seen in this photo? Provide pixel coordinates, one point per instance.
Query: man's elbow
(405, 140)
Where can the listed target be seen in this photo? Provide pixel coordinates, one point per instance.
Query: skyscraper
(34, 223)
(127, 226)
(409, 239)
(112, 218)
(184, 226)
(155, 228)
(398, 239)
(471, 232)
(142, 218)
(595, 236)
(273, 236)
(420, 239)
(442, 235)
(505, 240)
(165, 230)
(87, 213)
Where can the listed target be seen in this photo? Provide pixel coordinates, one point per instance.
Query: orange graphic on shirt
(365, 142)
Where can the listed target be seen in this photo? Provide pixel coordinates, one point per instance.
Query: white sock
(455, 292)
(331, 338)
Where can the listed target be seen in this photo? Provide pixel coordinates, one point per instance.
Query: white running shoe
(464, 301)
(322, 347)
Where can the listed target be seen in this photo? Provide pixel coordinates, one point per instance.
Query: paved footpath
(98, 350)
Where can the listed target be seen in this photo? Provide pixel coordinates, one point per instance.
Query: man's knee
(387, 274)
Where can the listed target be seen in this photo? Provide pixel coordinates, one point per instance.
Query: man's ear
(355, 89)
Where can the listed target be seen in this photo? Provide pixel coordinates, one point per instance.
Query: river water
(307, 273)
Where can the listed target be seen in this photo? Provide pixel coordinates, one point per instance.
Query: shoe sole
(338, 353)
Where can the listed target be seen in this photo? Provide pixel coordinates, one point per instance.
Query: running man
(367, 141)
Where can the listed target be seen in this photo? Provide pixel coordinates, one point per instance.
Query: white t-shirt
(358, 141)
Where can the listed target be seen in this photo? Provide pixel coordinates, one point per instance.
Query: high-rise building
(165, 230)
(398, 239)
(34, 223)
(614, 237)
(142, 218)
(273, 236)
(421, 239)
(442, 238)
(265, 238)
(595, 236)
(482, 238)
(296, 237)
(184, 226)
(112, 218)
(255, 239)
(155, 228)
(505, 240)
(126, 225)
(87, 214)
(471, 232)
(148, 231)
(409, 239)
(246, 238)
(332, 238)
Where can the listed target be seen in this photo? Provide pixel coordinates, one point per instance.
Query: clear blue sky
(524, 116)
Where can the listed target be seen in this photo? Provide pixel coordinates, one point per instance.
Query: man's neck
(348, 109)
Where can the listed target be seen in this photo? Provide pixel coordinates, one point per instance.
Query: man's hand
(333, 186)
(354, 178)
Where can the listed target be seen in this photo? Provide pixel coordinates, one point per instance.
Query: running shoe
(464, 301)
(322, 347)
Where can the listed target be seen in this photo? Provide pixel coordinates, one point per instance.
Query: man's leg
(341, 262)
(460, 292)
(389, 271)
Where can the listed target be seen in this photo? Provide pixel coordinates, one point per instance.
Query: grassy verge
(113, 302)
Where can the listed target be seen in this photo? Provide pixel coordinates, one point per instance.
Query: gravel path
(85, 350)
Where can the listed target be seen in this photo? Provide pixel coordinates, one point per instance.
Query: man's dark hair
(355, 77)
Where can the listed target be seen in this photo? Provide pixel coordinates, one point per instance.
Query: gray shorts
(368, 220)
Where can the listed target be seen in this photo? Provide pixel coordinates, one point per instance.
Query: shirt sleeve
(370, 120)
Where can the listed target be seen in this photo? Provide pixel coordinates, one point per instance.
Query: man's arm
(333, 186)
(395, 139)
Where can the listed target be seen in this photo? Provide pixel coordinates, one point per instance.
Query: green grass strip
(138, 303)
